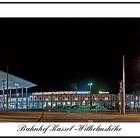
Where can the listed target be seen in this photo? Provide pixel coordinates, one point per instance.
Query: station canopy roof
(14, 81)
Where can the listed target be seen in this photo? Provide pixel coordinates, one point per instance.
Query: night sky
(57, 54)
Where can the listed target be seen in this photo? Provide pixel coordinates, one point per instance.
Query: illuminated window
(106, 98)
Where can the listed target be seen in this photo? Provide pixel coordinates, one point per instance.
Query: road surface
(67, 117)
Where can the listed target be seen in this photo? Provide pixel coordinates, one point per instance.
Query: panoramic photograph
(70, 70)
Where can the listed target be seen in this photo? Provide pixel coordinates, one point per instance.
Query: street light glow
(89, 84)
(16, 84)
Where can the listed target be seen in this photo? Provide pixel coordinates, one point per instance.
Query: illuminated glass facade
(65, 99)
(20, 98)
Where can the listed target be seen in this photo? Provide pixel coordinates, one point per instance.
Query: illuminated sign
(102, 92)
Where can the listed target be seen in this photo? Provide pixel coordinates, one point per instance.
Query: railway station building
(16, 95)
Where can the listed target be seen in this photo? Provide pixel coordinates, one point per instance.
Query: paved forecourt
(67, 117)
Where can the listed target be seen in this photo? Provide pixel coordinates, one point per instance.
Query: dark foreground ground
(67, 117)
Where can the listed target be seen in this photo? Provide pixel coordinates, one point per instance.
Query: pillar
(42, 100)
(3, 93)
(22, 97)
(51, 99)
(61, 99)
(10, 96)
(16, 97)
(71, 100)
(33, 101)
(26, 98)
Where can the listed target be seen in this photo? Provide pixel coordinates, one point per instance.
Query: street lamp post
(90, 85)
(123, 97)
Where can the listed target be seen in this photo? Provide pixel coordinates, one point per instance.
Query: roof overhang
(13, 81)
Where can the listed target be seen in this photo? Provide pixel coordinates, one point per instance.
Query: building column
(111, 101)
(37, 100)
(56, 96)
(135, 100)
(16, 97)
(81, 99)
(51, 99)
(138, 101)
(61, 99)
(22, 97)
(42, 100)
(71, 100)
(26, 98)
(10, 96)
(33, 101)
(100, 104)
(3, 93)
